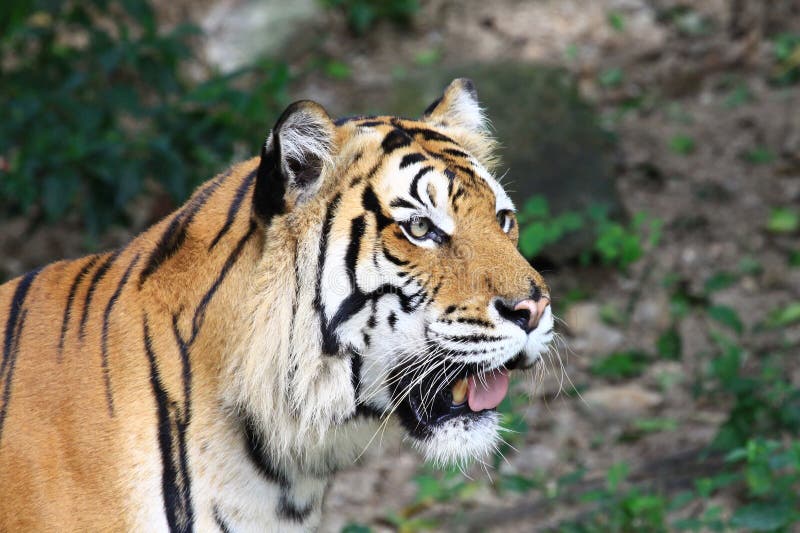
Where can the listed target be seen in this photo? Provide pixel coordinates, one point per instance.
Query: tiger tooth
(459, 391)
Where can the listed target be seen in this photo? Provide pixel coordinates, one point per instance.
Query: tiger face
(419, 278)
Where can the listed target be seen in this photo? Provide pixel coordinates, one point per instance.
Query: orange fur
(198, 309)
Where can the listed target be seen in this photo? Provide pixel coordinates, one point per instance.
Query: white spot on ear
(466, 112)
(304, 136)
(459, 107)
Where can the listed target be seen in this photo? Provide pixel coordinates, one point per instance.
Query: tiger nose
(535, 308)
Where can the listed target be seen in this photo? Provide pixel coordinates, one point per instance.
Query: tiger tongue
(489, 391)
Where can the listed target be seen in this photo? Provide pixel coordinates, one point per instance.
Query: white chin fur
(461, 440)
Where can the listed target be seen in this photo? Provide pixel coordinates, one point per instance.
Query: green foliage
(771, 474)
(538, 228)
(616, 20)
(363, 14)
(620, 365)
(611, 77)
(759, 155)
(615, 243)
(786, 51)
(93, 111)
(682, 144)
(738, 96)
(783, 220)
(356, 528)
(669, 344)
(727, 316)
(784, 316)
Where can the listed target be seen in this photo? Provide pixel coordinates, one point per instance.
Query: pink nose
(535, 309)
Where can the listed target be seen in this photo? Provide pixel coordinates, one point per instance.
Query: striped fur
(214, 373)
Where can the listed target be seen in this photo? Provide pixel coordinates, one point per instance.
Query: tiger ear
(298, 149)
(458, 107)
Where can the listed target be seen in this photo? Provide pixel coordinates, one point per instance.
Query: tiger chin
(216, 372)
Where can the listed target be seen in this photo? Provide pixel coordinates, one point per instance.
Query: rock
(532, 458)
(624, 401)
(590, 335)
(237, 33)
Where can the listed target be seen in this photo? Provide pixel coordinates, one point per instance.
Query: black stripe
(104, 336)
(371, 123)
(289, 511)
(175, 234)
(11, 341)
(451, 177)
(200, 312)
(399, 202)
(396, 260)
(357, 228)
(412, 189)
(175, 481)
(473, 338)
(455, 152)
(430, 109)
(475, 322)
(392, 320)
(20, 293)
(233, 210)
(410, 159)
(323, 249)
(221, 524)
(12, 363)
(395, 139)
(182, 421)
(70, 300)
(286, 509)
(371, 203)
(255, 451)
(429, 135)
(99, 274)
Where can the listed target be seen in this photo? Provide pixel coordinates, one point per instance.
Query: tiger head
(418, 303)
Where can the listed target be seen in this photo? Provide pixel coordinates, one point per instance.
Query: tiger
(217, 371)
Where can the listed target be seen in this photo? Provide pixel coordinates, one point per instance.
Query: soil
(699, 69)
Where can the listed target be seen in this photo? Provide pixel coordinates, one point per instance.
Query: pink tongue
(489, 391)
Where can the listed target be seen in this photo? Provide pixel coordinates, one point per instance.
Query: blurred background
(653, 150)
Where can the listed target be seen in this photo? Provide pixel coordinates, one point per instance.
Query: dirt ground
(701, 74)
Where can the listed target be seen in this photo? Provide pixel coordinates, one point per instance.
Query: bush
(97, 101)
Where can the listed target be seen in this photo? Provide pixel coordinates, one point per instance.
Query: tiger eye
(502, 219)
(419, 227)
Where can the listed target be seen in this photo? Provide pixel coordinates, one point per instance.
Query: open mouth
(466, 391)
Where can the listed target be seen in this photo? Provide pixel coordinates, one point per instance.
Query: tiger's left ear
(459, 112)
(293, 158)
(458, 107)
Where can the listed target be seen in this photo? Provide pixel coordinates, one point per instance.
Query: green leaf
(337, 70)
(356, 528)
(617, 473)
(611, 77)
(784, 316)
(761, 517)
(655, 425)
(616, 20)
(620, 365)
(682, 144)
(517, 483)
(427, 58)
(719, 281)
(759, 156)
(669, 345)
(727, 316)
(783, 220)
